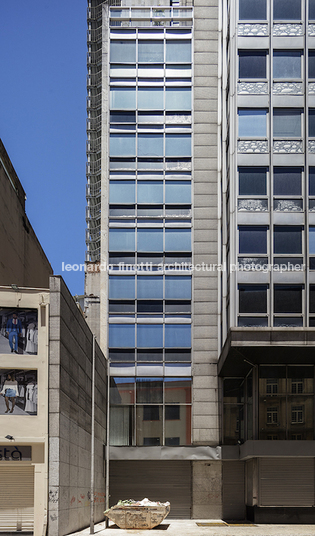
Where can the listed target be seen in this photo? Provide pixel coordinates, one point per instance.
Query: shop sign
(15, 453)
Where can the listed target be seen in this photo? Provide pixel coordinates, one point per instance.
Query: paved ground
(189, 527)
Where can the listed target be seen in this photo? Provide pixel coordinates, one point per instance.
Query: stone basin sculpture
(143, 514)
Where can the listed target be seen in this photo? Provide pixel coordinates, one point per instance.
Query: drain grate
(214, 524)
(225, 524)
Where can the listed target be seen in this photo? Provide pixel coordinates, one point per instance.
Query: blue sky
(43, 120)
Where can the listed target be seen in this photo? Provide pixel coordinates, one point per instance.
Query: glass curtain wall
(150, 210)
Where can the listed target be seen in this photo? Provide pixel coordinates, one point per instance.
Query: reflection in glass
(121, 425)
(122, 391)
(121, 287)
(178, 51)
(151, 51)
(177, 390)
(177, 335)
(150, 239)
(149, 336)
(177, 425)
(149, 425)
(121, 335)
(121, 191)
(122, 51)
(287, 64)
(149, 390)
(177, 192)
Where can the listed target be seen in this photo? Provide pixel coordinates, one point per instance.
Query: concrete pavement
(191, 527)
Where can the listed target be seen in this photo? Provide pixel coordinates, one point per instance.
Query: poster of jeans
(18, 392)
(18, 331)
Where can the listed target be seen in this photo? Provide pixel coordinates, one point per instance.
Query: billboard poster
(18, 392)
(18, 331)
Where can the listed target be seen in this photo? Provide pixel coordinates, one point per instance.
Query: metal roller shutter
(286, 482)
(16, 499)
(234, 490)
(156, 480)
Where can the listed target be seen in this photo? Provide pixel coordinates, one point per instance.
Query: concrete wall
(22, 259)
(207, 490)
(70, 373)
(207, 477)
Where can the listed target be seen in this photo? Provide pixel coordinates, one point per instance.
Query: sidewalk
(190, 527)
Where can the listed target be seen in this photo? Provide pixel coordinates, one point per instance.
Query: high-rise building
(200, 274)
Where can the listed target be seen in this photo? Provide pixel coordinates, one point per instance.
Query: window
(312, 181)
(272, 415)
(311, 63)
(250, 10)
(286, 122)
(150, 144)
(152, 403)
(122, 239)
(177, 239)
(172, 413)
(150, 98)
(272, 386)
(311, 10)
(252, 122)
(252, 321)
(311, 243)
(312, 298)
(151, 51)
(122, 117)
(177, 287)
(252, 180)
(287, 9)
(178, 192)
(287, 64)
(150, 192)
(150, 240)
(121, 335)
(178, 99)
(252, 298)
(122, 98)
(252, 239)
(178, 50)
(233, 410)
(288, 299)
(293, 400)
(297, 386)
(121, 287)
(287, 181)
(297, 413)
(122, 145)
(252, 64)
(177, 336)
(149, 336)
(122, 191)
(177, 145)
(287, 239)
(311, 122)
(122, 51)
(150, 287)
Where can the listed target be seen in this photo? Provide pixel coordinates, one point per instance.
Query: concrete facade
(23, 261)
(70, 406)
